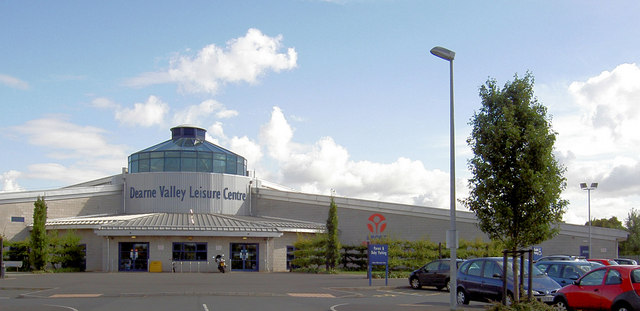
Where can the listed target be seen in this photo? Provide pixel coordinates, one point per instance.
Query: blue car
(564, 272)
(480, 279)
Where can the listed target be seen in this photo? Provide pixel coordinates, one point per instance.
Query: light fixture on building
(133, 236)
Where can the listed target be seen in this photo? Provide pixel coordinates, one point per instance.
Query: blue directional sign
(379, 256)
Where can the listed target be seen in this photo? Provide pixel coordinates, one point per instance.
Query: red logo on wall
(377, 223)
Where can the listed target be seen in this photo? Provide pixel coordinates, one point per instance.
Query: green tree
(39, 245)
(332, 250)
(66, 251)
(516, 181)
(612, 223)
(632, 245)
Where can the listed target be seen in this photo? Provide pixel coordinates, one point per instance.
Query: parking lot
(214, 291)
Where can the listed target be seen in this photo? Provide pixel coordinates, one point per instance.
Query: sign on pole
(378, 256)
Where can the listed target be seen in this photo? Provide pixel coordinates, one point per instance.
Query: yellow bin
(156, 266)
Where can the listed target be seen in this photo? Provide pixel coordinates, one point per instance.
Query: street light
(452, 241)
(593, 186)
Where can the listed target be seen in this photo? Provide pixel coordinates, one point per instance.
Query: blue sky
(316, 94)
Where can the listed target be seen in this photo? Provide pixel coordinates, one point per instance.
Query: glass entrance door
(244, 256)
(133, 256)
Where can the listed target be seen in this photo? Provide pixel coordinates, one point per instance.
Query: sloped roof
(185, 224)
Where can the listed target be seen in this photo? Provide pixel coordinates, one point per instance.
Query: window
(290, 257)
(554, 271)
(156, 165)
(491, 270)
(432, 266)
(475, 268)
(189, 251)
(635, 276)
(231, 164)
(17, 219)
(570, 272)
(593, 278)
(613, 277)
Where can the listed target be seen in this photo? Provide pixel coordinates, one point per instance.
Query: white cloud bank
(326, 165)
(599, 142)
(154, 112)
(78, 153)
(243, 60)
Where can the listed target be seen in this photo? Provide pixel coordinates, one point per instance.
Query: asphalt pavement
(214, 291)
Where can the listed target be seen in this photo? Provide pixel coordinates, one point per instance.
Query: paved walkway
(340, 292)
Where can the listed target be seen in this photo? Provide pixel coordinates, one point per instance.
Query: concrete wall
(356, 218)
(161, 249)
(57, 207)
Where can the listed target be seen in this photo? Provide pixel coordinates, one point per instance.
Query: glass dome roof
(187, 151)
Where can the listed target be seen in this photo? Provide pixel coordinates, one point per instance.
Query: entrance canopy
(185, 224)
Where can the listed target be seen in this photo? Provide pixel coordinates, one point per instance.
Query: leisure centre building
(181, 202)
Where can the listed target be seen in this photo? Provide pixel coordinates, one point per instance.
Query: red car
(606, 288)
(606, 262)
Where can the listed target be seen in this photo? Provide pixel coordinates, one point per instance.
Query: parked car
(560, 257)
(625, 261)
(563, 271)
(606, 262)
(435, 273)
(480, 279)
(606, 288)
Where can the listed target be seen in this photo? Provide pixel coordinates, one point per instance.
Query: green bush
(18, 251)
(404, 255)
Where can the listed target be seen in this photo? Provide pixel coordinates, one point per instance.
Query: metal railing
(193, 266)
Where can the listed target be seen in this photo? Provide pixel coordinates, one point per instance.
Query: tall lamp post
(593, 186)
(452, 241)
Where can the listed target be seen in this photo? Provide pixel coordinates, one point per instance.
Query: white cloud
(249, 149)
(325, 165)
(102, 102)
(149, 78)
(61, 136)
(76, 153)
(196, 114)
(610, 100)
(9, 181)
(244, 59)
(146, 114)
(276, 135)
(13, 82)
(216, 131)
(598, 142)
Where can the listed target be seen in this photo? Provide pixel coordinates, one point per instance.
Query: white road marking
(333, 308)
(70, 308)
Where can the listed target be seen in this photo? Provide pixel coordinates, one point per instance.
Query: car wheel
(462, 297)
(509, 300)
(448, 286)
(415, 283)
(561, 305)
(621, 307)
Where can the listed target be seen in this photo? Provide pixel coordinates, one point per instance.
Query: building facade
(184, 201)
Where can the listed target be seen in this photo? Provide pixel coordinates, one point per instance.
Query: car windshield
(535, 271)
